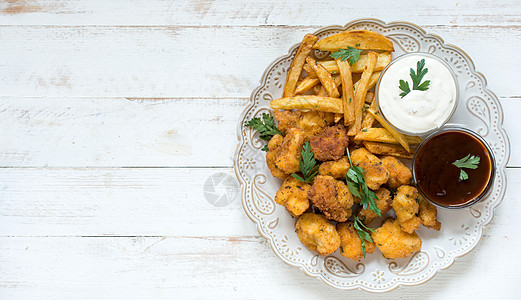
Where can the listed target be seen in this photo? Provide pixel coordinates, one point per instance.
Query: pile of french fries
(337, 87)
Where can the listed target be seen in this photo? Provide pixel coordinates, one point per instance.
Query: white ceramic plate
(479, 110)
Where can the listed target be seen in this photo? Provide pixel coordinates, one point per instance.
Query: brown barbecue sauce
(438, 179)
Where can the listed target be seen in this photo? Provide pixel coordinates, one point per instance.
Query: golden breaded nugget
(335, 168)
(312, 122)
(317, 233)
(406, 207)
(395, 243)
(374, 172)
(383, 203)
(293, 195)
(428, 214)
(331, 197)
(330, 143)
(271, 156)
(399, 174)
(350, 242)
(288, 159)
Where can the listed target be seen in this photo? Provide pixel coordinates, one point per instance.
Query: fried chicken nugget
(350, 242)
(293, 194)
(335, 168)
(383, 203)
(272, 154)
(312, 122)
(399, 174)
(406, 207)
(374, 172)
(288, 158)
(330, 143)
(332, 197)
(317, 233)
(428, 214)
(394, 242)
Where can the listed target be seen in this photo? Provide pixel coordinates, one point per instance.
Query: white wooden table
(115, 117)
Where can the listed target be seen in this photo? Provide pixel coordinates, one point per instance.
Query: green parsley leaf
(266, 127)
(350, 53)
(358, 187)
(468, 162)
(308, 165)
(416, 79)
(362, 233)
(265, 148)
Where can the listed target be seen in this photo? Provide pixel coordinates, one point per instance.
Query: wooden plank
(271, 12)
(137, 202)
(238, 267)
(119, 132)
(64, 132)
(177, 62)
(127, 202)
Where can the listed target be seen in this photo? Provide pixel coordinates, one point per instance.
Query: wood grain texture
(264, 12)
(177, 62)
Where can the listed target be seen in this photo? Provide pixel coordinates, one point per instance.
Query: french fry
(369, 97)
(347, 91)
(400, 137)
(296, 65)
(384, 58)
(369, 119)
(325, 78)
(305, 85)
(387, 149)
(309, 70)
(372, 81)
(317, 88)
(309, 102)
(360, 92)
(382, 135)
(360, 39)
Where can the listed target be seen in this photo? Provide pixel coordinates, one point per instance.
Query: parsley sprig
(358, 187)
(266, 127)
(350, 53)
(308, 165)
(469, 162)
(416, 80)
(361, 230)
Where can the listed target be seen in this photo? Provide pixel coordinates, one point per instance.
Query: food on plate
(289, 154)
(360, 39)
(293, 195)
(324, 77)
(335, 168)
(383, 202)
(338, 157)
(387, 149)
(330, 143)
(272, 155)
(332, 197)
(296, 65)
(399, 174)
(317, 233)
(311, 122)
(406, 207)
(393, 242)
(361, 91)
(309, 102)
(454, 168)
(417, 93)
(428, 214)
(351, 243)
(374, 172)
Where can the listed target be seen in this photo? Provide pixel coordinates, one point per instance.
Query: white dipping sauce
(419, 111)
